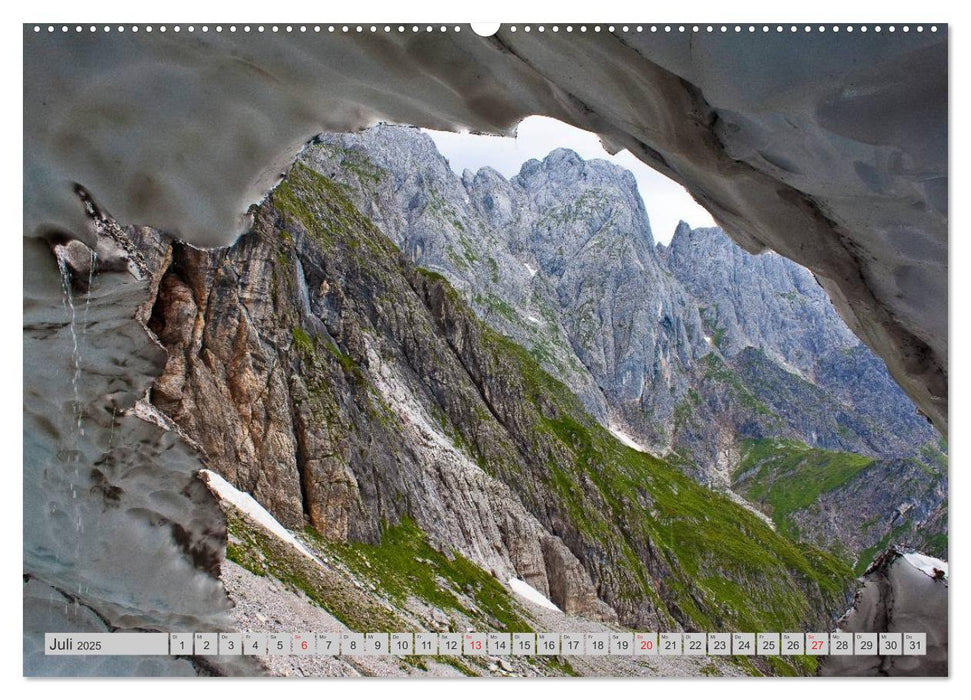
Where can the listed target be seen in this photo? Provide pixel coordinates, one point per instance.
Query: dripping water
(87, 294)
(76, 350)
(92, 263)
(77, 407)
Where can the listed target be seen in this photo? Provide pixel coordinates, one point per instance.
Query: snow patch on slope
(524, 590)
(625, 438)
(225, 491)
(929, 565)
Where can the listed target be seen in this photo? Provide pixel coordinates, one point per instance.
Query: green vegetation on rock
(405, 565)
(727, 569)
(658, 546)
(716, 370)
(786, 476)
(356, 162)
(322, 209)
(263, 554)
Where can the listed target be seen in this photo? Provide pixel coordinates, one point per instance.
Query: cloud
(666, 201)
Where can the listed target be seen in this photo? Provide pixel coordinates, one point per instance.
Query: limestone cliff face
(319, 369)
(629, 323)
(768, 303)
(559, 258)
(695, 349)
(473, 230)
(306, 378)
(798, 374)
(763, 301)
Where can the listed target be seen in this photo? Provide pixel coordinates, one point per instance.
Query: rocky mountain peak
(697, 349)
(681, 231)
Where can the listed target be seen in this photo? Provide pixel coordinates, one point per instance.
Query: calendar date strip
(486, 644)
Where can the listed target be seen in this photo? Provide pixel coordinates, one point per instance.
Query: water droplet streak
(87, 294)
(76, 350)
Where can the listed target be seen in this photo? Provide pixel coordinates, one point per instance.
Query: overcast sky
(666, 201)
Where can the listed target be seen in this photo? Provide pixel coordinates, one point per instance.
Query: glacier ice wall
(900, 592)
(828, 148)
(118, 532)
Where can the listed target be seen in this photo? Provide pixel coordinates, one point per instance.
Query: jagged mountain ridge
(321, 371)
(522, 252)
(769, 303)
(695, 349)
